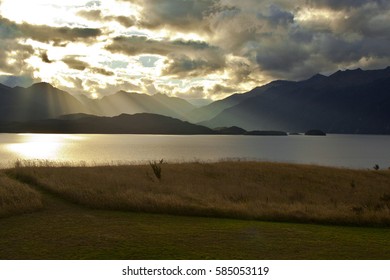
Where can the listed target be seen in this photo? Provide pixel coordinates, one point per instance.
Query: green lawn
(66, 231)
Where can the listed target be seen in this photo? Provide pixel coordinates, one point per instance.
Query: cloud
(291, 40)
(97, 15)
(194, 92)
(110, 88)
(46, 34)
(347, 4)
(58, 35)
(183, 15)
(102, 71)
(137, 45)
(277, 16)
(277, 57)
(125, 21)
(184, 66)
(74, 63)
(183, 58)
(221, 89)
(45, 57)
(13, 56)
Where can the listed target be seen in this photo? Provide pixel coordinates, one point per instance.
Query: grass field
(246, 190)
(70, 224)
(16, 197)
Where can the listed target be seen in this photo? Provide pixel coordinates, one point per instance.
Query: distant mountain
(132, 103)
(123, 124)
(200, 102)
(36, 102)
(351, 101)
(212, 110)
(43, 101)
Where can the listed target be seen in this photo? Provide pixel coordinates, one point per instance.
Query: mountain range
(350, 101)
(43, 101)
(40, 101)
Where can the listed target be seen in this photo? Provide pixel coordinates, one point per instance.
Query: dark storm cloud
(346, 4)
(277, 16)
(97, 15)
(336, 49)
(184, 66)
(136, 45)
(125, 21)
(218, 89)
(13, 54)
(46, 34)
(58, 35)
(102, 71)
(368, 21)
(283, 46)
(74, 63)
(361, 33)
(45, 57)
(181, 15)
(9, 29)
(281, 57)
(18, 53)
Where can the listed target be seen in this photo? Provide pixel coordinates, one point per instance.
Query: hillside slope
(352, 101)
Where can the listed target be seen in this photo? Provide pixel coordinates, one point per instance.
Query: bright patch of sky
(149, 61)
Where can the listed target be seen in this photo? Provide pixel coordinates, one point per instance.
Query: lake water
(355, 151)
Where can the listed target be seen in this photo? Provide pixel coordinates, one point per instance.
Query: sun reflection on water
(40, 146)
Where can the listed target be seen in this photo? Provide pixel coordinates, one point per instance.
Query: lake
(354, 151)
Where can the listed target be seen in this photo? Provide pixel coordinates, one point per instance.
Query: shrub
(156, 167)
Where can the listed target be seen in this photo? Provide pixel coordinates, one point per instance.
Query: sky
(186, 48)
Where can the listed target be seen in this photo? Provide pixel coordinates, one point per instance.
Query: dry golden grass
(252, 190)
(16, 197)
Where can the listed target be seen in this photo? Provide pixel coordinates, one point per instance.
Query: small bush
(156, 167)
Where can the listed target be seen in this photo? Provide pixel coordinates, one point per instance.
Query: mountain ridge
(352, 101)
(43, 101)
(349, 101)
